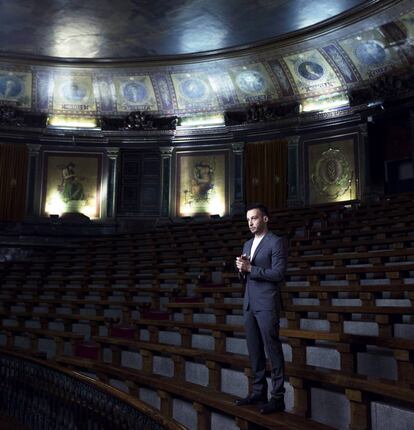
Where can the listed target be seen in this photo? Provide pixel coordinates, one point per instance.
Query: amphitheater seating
(162, 310)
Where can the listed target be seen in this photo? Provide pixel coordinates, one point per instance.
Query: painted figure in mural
(310, 70)
(71, 188)
(202, 181)
(105, 93)
(370, 53)
(164, 92)
(10, 86)
(135, 92)
(251, 81)
(282, 79)
(74, 92)
(262, 267)
(194, 88)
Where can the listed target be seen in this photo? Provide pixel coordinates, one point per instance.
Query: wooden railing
(43, 396)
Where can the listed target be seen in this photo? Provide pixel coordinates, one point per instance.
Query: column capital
(238, 147)
(112, 153)
(33, 149)
(363, 128)
(293, 140)
(166, 151)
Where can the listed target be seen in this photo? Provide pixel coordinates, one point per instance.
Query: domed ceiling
(96, 29)
(100, 58)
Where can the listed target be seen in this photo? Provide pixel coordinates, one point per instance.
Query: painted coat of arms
(332, 175)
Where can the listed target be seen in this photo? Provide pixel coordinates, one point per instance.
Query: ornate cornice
(140, 121)
(384, 88)
(261, 113)
(11, 116)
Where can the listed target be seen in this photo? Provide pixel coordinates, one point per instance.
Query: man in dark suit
(262, 267)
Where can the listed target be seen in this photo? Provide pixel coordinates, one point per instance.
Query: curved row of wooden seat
(330, 264)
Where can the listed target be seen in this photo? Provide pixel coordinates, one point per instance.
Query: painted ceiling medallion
(310, 70)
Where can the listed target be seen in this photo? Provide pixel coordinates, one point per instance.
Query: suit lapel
(249, 247)
(258, 248)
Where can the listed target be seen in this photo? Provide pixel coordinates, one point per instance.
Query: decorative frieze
(261, 113)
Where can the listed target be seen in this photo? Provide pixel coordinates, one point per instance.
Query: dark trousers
(262, 334)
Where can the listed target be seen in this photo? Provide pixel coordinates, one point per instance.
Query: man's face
(257, 221)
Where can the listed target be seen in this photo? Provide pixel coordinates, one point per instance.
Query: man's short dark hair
(262, 208)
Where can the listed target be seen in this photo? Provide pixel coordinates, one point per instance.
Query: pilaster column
(412, 134)
(166, 157)
(33, 181)
(296, 190)
(238, 178)
(363, 176)
(112, 154)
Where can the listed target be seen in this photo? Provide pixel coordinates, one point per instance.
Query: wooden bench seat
(367, 293)
(356, 246)
(220, 331)
(353, 236)
(34, 334)
(299, 308)
(362, 219)
(395, 273)
(75, 304)
(347, 345)
(93, 289)
(351, 383)
(346, 380)
(67, 319)
(352, 219)
(219, 293)
(147, 349)
(204, 399)
(384, 316)
(109, 276)
(375, 258)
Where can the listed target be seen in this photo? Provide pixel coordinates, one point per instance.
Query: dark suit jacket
(268, 269)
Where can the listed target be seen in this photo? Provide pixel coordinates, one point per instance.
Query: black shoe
(274, 405)
(253, 399)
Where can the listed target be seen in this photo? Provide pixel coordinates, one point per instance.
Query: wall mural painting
(223, 87)
(345, 57)
(16, 88)
(252, 83)
(164, 90)
(331, 169)
(312, 73)
(407, 22)
(193, 90)
(135, 93)
(72, 184)
(370, 54)
(396, 33)
(403, 34)
(44, 82)
(106, 94)
(349, 75)
(281, 77)
(73, 94)
(202, 185)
